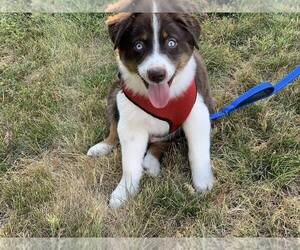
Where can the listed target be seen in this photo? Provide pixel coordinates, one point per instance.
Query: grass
(55, 71)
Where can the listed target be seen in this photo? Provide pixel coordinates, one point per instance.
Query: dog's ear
(191, 25)
(117, 26)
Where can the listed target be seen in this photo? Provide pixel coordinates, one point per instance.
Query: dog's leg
(107, 145)
(133, 142)
(151, 162)
(197, 132)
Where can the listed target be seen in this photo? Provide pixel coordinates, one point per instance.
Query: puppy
(163, 88)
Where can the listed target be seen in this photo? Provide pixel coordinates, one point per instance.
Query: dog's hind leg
(105, 147)
(151, 162)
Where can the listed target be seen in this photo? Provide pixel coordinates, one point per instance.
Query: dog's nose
(157, 74)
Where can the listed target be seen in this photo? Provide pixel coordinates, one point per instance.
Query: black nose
(157, 74)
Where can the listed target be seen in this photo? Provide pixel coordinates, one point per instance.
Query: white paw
(203, 181)
(115, 201)
(100, 149)
(122, 193)
(151, 165)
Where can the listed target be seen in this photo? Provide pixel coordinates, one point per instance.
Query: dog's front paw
(203, 181)
(100, 149)
(151, 165)
(116, 200)
(122, 193)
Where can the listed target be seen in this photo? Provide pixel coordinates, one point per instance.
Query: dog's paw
(100, 149)
(151, 165)
(115, 201)
(204, 182)
(122, 193)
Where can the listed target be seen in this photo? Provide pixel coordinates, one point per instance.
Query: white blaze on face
(155, 26)
(158, 93)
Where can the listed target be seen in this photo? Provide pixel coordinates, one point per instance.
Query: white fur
(183, 78)
(155, 7)
(155, 27)
(151, 165)
(180, 83)
(133, 81)
(135, 127)
(197, 132)
(156, 59)
(100, 149)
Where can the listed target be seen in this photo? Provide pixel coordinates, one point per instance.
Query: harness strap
(175, 112)
(256, 93)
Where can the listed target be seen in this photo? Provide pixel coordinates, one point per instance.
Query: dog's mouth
(159, 94)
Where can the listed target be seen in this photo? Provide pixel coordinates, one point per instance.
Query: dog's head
(154, 47)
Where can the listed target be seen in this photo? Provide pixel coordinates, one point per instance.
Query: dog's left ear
(191, 25)
(117, 26)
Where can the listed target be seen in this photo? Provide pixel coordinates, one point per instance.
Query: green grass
(55, 71)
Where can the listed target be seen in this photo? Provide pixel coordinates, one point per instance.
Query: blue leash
(256, 93)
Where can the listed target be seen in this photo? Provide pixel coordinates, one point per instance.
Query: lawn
(55, 71)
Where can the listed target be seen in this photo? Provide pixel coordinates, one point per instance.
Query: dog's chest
(135, 118)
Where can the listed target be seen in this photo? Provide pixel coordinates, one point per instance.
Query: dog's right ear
(117, 26)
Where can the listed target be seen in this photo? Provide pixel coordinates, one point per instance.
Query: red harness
(176, 111)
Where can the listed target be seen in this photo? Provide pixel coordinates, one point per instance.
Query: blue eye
(139, 46)
(172, 43)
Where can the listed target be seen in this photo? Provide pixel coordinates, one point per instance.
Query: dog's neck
(180, 82)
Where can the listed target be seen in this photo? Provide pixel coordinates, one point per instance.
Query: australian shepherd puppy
(162, 89)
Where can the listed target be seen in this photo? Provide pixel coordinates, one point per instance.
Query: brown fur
(118, 6)
(112, 110)
(111, 20)
(202, 83)
(182, 61)
(158, 148)
(112, 138)
(112, 114)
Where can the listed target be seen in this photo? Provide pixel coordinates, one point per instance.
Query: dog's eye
(139, 46)
(172, 43)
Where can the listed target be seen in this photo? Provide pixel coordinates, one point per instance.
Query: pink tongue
(159, 94)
